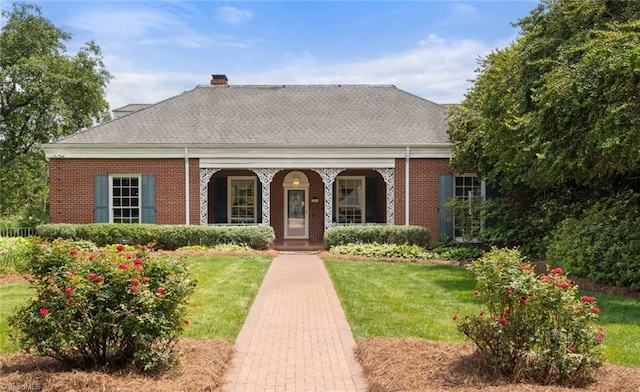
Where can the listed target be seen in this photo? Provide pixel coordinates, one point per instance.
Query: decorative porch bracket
(328, 178)
(387, 175)
(266, 176)
(205, 176)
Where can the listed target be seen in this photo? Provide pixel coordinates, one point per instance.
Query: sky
(158, 49)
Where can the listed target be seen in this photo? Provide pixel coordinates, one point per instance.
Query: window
(125, 199)
(467, 222)
(350, 200)
(242, 199)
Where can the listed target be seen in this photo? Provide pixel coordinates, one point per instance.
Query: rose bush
(103, 308)
(534, 327)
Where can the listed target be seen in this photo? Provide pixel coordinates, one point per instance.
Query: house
(300, 158)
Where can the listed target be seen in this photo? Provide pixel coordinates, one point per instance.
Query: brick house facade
(297, 158)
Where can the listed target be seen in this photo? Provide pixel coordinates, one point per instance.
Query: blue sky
(157, 49)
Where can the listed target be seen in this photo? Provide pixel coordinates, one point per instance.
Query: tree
(559, 106)
(45, 93)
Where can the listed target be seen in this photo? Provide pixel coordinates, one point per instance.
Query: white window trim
(363, 198)
(230, 198)
(139, 177)
(482, 195)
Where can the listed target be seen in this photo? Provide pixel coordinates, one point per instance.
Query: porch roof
(277, 116)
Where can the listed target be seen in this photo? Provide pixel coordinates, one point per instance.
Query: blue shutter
(148, 198)
(101, 198)
(371, 199)
(445, 215)
(220, 190)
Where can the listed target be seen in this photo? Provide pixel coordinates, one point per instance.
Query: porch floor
(297, 245)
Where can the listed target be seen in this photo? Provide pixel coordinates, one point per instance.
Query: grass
(226, 287)
(419, 300)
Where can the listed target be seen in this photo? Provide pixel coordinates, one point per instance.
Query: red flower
(68, 290)
(120, 247)
(129, 256)
(595, 310)
(587, 298)
(145, 279)
(44, 311)
(137, 261)
(581, 310)
(135, 281)
(544, 278)
(186, 322)
(503, 320)
(523, 300)
(70, 302)
(99, 278)
(91, 276)
(500, 266)
(133, 288)
(572, 349)
(73, 272)
(73, 252)
(564, 284)
(509, 291)
(599, 338)
(481, 313)
(507, 311)
(455, 317)
(557, 271)
(123, 266)
(476, 293)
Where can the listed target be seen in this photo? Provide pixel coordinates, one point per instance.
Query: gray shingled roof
(341, 115)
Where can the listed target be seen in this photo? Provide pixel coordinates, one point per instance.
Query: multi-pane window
(125, 199)
(467, 188)
(242, 200)
(350, 199)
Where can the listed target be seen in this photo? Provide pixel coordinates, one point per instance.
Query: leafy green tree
(45, 93)
(560, 104)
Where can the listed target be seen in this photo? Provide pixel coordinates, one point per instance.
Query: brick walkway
(296, 336)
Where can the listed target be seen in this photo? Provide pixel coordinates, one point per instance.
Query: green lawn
(225, 289)
(405, 299)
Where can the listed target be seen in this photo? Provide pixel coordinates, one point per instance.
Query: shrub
(534, 327)
(404, 251)
(603, 244)
(382, 234)
(14, 254)
(103, 308)
(459, 253)
(167, 237)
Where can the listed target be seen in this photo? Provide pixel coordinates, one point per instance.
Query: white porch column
(328, 177)
(388, 176)
(205, 176)
(266, 176)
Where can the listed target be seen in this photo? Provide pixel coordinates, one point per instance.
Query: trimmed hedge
(169, 237)
(381, 234)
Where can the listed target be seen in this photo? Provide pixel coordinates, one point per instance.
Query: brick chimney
(219, 80)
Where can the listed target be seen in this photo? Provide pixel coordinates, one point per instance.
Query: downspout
(406, 186)
(186, 186)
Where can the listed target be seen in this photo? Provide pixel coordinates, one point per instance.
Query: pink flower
(160, 290)
(135, 281)
(500, 266)
(133, 288)
(557, 271)
(91, 276)
(70, 302)
(123, 266)
(509, 291)
(129, 256)
(599, 338)
(99, 278)
(137, 261)
(595, 310)
(145, 279)
(564, 284)
(572, 349)
(68, 290)
(120, 247)
(44, 311)
(587, 298)
(544, 278)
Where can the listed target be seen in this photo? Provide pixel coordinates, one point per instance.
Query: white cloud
(233, 15)
(438, 69)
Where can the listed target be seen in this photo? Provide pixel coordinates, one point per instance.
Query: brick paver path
(296, 336)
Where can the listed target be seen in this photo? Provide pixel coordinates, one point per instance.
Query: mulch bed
(203, 365)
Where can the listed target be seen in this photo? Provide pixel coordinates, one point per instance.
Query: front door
(296, 222)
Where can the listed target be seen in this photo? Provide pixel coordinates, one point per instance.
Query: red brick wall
(423, 198)
(72, 193)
